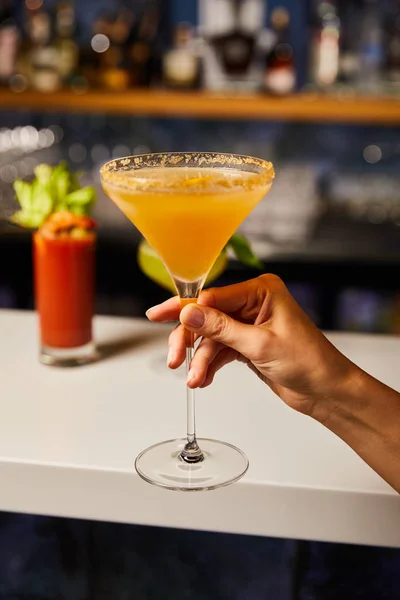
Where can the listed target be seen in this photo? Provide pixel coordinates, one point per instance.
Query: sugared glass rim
(112, 172)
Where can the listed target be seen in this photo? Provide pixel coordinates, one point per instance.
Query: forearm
(365, 413)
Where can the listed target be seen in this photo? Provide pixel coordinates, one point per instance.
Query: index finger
(232, 298)
(244, 296)
(167, 311)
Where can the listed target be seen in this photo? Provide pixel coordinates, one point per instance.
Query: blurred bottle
(324, 48)
(144, 59)
(67, 48)
(280, 72)
(91, 50)
(181, 64)
(9, 37)
(392, 47)
(231, 30)
(349, 59)
(371, 48)
(115, 72)
(43, 57)
(235, 48)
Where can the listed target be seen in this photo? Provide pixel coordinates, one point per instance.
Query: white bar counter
(68, 439)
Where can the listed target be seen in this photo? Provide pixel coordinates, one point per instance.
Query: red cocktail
(64, 268)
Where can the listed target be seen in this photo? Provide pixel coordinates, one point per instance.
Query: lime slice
(152, 266)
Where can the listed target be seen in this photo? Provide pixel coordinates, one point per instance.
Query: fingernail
(148, 311)
(194, 317)
(191, 376)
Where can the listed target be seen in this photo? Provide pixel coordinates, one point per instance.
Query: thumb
(215, 325)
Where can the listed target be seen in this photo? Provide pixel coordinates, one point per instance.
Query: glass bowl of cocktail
(152, 266)
(238, 246)
(187, 206)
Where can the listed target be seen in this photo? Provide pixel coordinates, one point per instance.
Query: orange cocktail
(187, 214)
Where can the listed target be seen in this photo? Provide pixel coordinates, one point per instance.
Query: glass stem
(191, 408)
(191, 453)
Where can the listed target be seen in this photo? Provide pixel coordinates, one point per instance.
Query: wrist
(338, 399)
(365, 414)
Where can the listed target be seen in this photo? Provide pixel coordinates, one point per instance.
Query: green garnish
(54, 189)
(243, 251)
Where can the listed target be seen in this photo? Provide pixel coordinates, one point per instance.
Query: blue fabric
(42, 558)
(338, 571)
(45, 558)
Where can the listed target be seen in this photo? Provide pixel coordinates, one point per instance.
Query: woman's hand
(259, 323)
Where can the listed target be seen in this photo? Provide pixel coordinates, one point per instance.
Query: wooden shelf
(162, 103)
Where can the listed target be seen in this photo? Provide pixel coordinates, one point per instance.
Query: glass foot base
(161, 465)
(68, 357)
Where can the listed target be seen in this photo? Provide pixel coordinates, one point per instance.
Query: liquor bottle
(371, 48)
(280, 73)
(142, 49)
(349, 58)
(114, 75)
(43, 57)
(325, 39)
(67, 48)
(90, 53)
(392, 47)
(9, 38)
(114, 64)
(236, 48)
(231, 31)
(181, 64)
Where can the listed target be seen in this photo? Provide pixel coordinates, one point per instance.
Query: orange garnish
(63, 222)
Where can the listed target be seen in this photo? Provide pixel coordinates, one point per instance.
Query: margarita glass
(187, 206)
